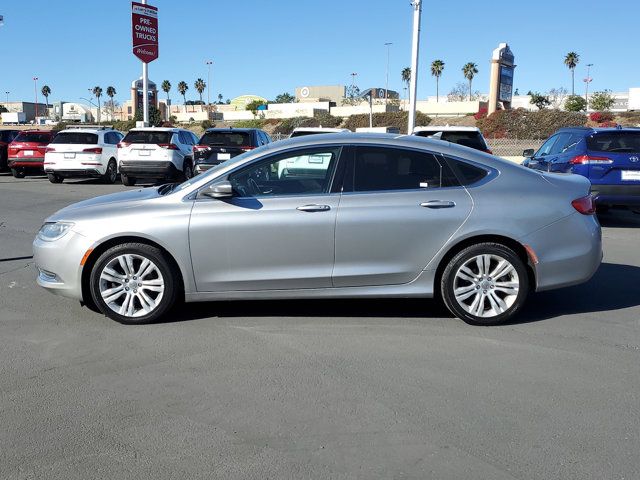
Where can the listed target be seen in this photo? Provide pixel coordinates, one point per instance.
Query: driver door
(276, 232)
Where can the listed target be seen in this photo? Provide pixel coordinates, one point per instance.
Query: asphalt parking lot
(315, 389)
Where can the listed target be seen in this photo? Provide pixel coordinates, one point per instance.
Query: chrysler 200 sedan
(329, 216)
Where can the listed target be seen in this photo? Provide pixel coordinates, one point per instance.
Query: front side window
(546, 147)
(303, 172)
(381, 168)
(562, 140)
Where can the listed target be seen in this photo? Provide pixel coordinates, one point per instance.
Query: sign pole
(145, 88)
(144, 23)
(417, 11)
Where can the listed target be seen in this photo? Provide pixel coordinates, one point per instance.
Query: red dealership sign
(144, 27)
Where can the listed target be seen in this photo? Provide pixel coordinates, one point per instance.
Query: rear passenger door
(398, 208)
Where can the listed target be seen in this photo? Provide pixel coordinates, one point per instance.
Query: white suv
(83, 152)
(467, 136)
(156, 154)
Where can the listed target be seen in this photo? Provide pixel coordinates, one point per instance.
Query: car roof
(598, 129)
(157, 129)
(230, 129)
(35, 131)
(446, 128)
(320, 129)
(85, 130)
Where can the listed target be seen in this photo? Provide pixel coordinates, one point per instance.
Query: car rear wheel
(111, 173)
(187, 170)
(127, 180)
(18, 173)
(53, 178)
(485, 284)
(134, 283)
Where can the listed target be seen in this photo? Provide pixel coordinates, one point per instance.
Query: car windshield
(226, 139)
(467, 139)
(33, 137)
(621, 142)
(148, 136)
(82, 138)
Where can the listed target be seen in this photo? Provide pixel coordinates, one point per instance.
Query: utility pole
(386, 85)
(7, 93)
(587, 81)
(208, 63)
(353, 83)
(35, 89)
(417, 12)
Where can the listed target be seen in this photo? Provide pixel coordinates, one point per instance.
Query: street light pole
(386, 85)
(353, 83)
(35, 89)
(209, 63)
(7, 97)
(417, 12)
(587, 81)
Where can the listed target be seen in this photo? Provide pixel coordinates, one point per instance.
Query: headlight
(50, 232)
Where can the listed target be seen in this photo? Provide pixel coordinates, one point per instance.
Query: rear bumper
(203, 167)
(22, 163)
(73, 173)
(623, 195)
(150, 169)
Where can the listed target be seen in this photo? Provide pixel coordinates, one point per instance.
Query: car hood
(104, 203)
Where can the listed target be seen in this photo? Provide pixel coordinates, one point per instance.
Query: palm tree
(200, 85)
(437, 66)
(406, 76)
(182, 88)
(220, 97)
(571, 60)
(469, 71)
(166, 87)
(97, 92)
(46, 91)
(111, 92)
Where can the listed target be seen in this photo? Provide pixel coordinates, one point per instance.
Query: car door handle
(438, 204)
(313, 208)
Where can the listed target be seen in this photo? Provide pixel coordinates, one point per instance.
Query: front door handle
(314, 208)
(438, 204)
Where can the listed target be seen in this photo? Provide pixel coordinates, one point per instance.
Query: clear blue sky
(266, 47)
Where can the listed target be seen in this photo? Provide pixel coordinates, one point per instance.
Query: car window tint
(381, 168)
(571, 143)
(227, 139)
(302, 172)
(559, 144)
(194, 138)
(621, 142)
(466, 173)
(33, 137)
(546, 146)
(148, 136)
(78, 138)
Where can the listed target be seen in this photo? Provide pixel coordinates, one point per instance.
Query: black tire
(111, 173)
(482, 287)
(170, 276)
(53, 178)
(187, 170)
(127, 180)
(18, 173)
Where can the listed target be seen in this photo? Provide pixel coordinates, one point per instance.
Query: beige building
(321, 93)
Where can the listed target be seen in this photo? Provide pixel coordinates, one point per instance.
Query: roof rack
(93, 127)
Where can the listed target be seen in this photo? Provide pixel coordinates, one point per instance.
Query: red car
(26, 152)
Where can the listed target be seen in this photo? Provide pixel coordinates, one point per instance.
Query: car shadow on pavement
(619, 219)
(604, 292)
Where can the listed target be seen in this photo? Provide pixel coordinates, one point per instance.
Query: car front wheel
(485, 284)
(188, 170)
(134, 283)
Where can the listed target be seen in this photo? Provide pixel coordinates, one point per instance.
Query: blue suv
(608, 157)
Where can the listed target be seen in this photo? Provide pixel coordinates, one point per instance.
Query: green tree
(285, 98)
(200, 86)
(571, 60)
(469, 71)
(220, 97)
(406, 76)
(111, 92)
(155, 117)
(46, 91)
(182, 88)
(166, 88)
(539, 100)
(97, 92)
(602, 101)
(575, 103)
(437, 67)
(253, 106)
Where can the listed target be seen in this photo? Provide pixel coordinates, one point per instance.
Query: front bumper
(58, 264)
(616, 195)
(149, 169)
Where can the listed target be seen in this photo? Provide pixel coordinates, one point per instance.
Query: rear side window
(227, 139)
(148, 136)
(621, 142)
(33, 137)
(466, 173)
(7, 135)
(381, 168)
(81, 138)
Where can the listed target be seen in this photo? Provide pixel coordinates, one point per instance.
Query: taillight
(93, 150)
(246, 149)
(589, 160)
(12, 151)
(49, 149)
(201, 148)
(168, 146)
(585, 205)
(122, 145)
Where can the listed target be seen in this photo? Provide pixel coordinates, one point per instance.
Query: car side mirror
(219, 190)
(528, 153)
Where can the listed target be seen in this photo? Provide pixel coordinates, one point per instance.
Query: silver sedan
(329, 216)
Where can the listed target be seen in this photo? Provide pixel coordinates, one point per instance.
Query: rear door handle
(314, 208)
(438, 204)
